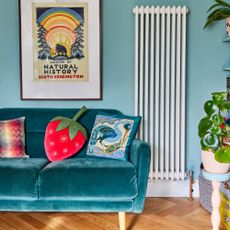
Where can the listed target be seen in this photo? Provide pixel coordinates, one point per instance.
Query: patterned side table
(216, 180)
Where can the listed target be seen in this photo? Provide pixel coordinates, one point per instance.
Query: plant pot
(213, 166)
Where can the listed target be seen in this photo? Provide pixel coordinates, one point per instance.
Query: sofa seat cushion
(18, 178)
(88, 179)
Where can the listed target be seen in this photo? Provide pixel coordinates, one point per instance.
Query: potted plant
(214, 134)
(219, 11)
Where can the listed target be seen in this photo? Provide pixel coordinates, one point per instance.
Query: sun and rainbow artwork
(60, 38)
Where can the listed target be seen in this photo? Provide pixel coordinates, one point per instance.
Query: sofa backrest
(37, 120)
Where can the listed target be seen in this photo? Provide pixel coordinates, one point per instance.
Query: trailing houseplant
(214, 130)
(220, 10)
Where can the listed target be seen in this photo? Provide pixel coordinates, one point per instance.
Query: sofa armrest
(140, 155)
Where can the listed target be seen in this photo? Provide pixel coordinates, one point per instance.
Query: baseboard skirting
(169, 188)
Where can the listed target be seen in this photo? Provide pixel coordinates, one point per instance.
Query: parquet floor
(159, 214)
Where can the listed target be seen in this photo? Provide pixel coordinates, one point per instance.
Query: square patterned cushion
(112, 136)
(12, 138)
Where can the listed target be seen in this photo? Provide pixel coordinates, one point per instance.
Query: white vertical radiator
(160, 75)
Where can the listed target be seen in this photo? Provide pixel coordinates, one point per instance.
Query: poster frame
(91, 90)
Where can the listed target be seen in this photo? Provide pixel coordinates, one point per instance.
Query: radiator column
(160, 86)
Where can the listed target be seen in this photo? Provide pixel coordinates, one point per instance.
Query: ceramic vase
(211, 165)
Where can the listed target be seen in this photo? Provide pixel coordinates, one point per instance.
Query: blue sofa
(81, 183)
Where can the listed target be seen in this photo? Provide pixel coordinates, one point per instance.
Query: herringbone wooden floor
(159, 214)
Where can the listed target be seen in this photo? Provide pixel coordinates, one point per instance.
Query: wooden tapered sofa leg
(121, 220)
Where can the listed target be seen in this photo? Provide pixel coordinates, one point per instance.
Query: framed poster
(60, 46)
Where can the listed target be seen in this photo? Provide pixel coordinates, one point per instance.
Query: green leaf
(222, 108)
(210, 21)
(65, 123)
(214, 13)
(73, 126)
(210, 108)
(213, 6)
(210, 140)
(222, 94)
(216, 130)
(73, 130)
(217, 119)
(226, 105)
(83, 130)
(217, 15)
(219, 98)
(204, 125)
(223, 155)
(223, 3)
(204, 147)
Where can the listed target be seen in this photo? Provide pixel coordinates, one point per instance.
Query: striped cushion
(12, 138)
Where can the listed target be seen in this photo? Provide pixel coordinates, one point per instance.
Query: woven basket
(205, 188)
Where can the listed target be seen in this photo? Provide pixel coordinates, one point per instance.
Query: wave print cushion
(12, 138)
(112, 136)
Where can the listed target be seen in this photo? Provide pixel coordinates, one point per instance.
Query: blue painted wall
(206, 56)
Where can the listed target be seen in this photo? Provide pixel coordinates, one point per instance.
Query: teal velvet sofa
(81, 183)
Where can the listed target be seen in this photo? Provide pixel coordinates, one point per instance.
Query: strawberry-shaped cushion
(64, 137)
